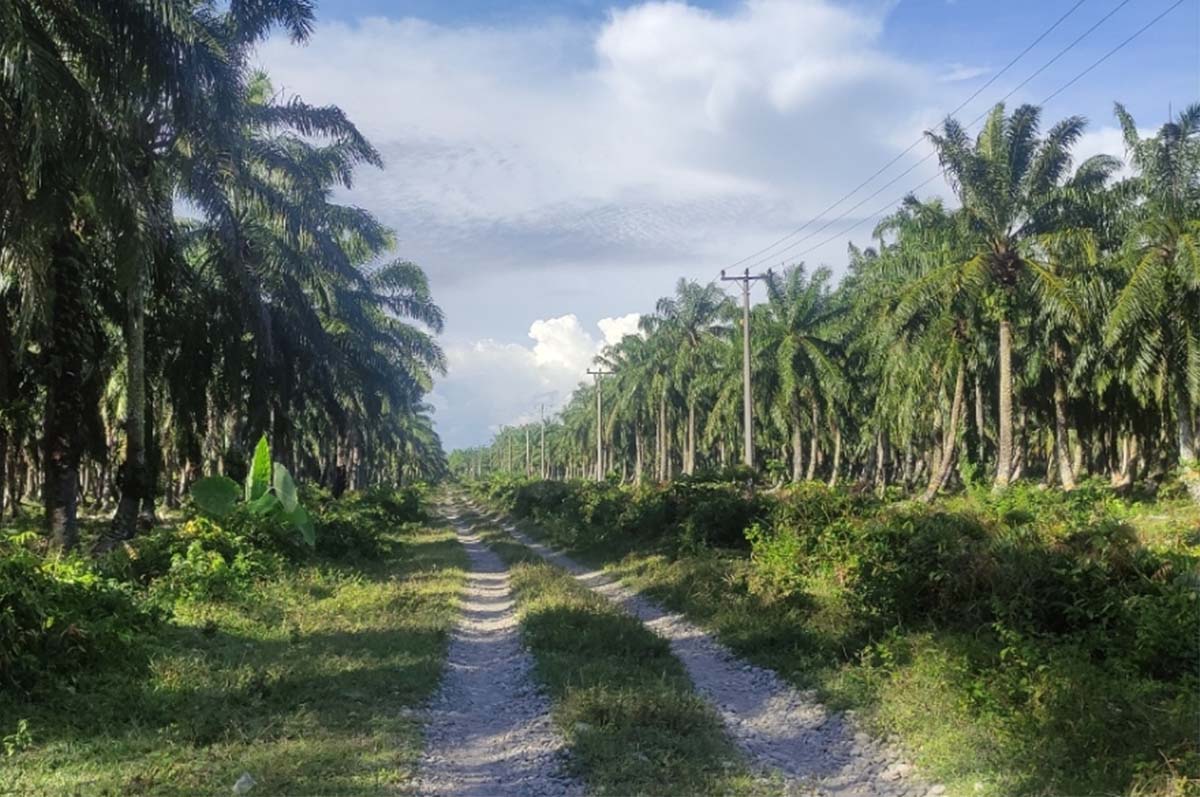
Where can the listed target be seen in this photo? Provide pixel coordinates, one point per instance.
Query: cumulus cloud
(492, 383)
(596, 162)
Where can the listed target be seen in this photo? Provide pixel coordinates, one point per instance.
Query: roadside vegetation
(1031, 642)
(969, 504)
(177, 284)
(205, 650)
(622, 701)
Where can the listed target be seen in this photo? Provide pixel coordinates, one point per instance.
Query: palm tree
(691, 320)
(632, 362)
(1005, 180)
(799, 335)
(1157, 313)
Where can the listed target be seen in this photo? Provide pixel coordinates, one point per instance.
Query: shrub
(353, 526)
(711, 514)
(203, 559)
(59, 617)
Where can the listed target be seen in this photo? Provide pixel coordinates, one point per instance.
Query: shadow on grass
(329, 647)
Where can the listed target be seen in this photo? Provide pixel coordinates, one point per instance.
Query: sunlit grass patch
(306, 681)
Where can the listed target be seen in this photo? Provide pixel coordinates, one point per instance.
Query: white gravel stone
(488, 731)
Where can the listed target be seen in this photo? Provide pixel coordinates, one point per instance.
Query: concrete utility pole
(747, 400)
(528, 459)
(599, 372)
(543, 460)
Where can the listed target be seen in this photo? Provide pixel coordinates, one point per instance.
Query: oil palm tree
(1005, 180)
(799, 334)
(1157, 312)
(690, 320)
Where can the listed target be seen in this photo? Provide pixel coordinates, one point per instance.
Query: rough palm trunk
(689, 464)
(1004, 453)
(637, 462)
(981, 443)
(1062, 448)
(939, 476)
(1186, 435)
(812, 447)
(134, 472)
(797, 448)
(880, 463)
(662, 452)
(837, 454)
(64, 409)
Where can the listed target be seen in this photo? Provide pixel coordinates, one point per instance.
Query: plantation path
(782, 729)
(489, 731)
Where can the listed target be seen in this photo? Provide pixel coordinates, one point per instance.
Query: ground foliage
(1029, 642)
(235, 640)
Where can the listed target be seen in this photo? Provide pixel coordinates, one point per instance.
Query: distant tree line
(1047, 327)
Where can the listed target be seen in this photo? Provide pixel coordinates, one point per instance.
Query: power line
(1113, 51)
(917, 143)
(1048, 97)
(971, 124)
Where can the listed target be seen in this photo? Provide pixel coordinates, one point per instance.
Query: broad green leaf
(265, 504)
(258, 480)
(303, 522)
(285, 489)
(215, 495)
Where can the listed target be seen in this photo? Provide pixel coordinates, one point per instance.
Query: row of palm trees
(1049, 325)
(175, 279)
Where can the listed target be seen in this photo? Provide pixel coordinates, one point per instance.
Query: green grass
(306, 682)
(621, 699)
(1083, 727)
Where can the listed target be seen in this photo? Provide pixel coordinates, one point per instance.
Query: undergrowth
(205, 650)
(1026, 643)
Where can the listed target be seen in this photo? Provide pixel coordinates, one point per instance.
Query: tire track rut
(488, 729)
(780, 728)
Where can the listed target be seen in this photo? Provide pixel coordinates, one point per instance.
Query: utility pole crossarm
(598, 373)
(747, 401)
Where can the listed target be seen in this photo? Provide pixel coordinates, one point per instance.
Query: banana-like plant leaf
(285, 489)
(303, 522)
(258, 480)
(265, 504)
(215, 495)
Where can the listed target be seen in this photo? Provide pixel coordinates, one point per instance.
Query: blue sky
(557, 166)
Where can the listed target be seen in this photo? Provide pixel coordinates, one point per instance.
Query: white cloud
(1106, 140)
(615, 329)
(491, 383)
(959, 72)
(578, 167)
(632, 129)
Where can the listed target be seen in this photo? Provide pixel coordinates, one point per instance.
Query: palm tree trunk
(837, 454)
(881, 454)
(689, 465)
(1062, 431)
(1004, 454)
(1186, 435)
(64, 409)
(637, 462)
(797, 448)
(938, 477)
(981, 443)
(134, 473)
(812, 447)
(663, 453)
